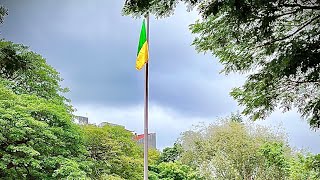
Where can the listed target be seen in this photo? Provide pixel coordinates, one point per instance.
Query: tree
(167, 166)
(173, 171)
(276, 43)
(110, 177)
(3, 13)
(171, 154)
(305, 166)
(113, 152)
(276, 159)
(233, 150)
(38, 139)
(153, 156)
(27, 72)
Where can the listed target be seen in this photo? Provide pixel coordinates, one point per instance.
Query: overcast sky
(94, 48)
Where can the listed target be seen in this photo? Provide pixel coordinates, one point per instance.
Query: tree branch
(28, 175)
(303, 82)
(302, 6)
(284, 14)
(10, 165)
(290, 35)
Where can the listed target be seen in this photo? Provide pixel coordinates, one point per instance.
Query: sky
(94, 48)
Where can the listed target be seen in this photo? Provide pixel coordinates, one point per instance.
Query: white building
(152, 140)
(81, 120)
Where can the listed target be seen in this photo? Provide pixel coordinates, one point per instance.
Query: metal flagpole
(146, 101)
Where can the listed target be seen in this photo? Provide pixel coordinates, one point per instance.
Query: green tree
(3, 13)
(38, 139)
(113, 152)
(173, 171)
(305, 167)
(171, 154)
(233, 150)
(27, 72)
(276, 43)
(110, 177)
(276, 159)
(153, 156)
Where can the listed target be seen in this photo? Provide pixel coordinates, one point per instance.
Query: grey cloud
(94, 48)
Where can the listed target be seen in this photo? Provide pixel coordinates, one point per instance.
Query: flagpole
(146, 101)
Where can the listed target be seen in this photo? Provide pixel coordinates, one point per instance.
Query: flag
(143, 53)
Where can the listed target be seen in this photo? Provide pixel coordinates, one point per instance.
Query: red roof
(138, 137)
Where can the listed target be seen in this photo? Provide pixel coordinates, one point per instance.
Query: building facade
(109, 124)
(152, 140)
(81, 120)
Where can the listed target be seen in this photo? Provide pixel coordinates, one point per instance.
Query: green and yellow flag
(143, 53)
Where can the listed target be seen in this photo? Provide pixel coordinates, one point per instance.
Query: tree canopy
(275, 43)
(171, 154)
(38, 139)
(168, 166)
(173, 171)
(234, 150)
(113, 152)
(27, 72)
(3, 13)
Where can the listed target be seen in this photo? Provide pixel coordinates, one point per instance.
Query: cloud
(94, 48)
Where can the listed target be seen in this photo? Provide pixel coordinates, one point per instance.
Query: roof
(139, 137)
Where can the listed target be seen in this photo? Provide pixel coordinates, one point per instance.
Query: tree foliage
(3, 13)
(113, 152)
(171, 154)
(275, 42)
(275, 159)
(233, 150)
(167, 166)
(305, 167)
(153, 156)
(27, 72)
(38, 139)
(173, 171)
(239, 150)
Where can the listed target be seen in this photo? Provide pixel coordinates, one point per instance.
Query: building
(81, 120)
(152, 140)
(110, 124)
